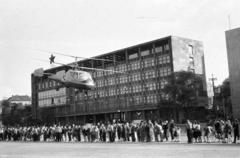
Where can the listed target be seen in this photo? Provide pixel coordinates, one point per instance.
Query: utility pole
(213, 79)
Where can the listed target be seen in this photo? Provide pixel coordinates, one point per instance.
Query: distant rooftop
(19, 98)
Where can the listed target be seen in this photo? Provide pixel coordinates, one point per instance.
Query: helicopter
(74, 77)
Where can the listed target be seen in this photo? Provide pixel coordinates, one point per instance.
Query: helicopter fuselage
(74, 78)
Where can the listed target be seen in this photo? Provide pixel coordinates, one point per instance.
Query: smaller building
(20, 99)
(16, 110)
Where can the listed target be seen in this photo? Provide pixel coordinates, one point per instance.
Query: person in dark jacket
(189, 131)
(165, 129)
(171, 129)
(236, 130)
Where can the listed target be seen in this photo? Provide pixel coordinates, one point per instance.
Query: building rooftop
(19, 98)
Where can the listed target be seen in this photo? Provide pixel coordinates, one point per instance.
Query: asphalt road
(118, 150)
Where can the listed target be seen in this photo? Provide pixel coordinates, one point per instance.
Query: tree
(225, 89)
(183, 88)
(5, 104)
(13, 113)
(184, 95)
(223, 98)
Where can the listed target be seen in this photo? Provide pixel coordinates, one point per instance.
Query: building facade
(233, 52)
(136, 94)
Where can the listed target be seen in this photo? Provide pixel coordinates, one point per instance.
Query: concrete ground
(118, 150)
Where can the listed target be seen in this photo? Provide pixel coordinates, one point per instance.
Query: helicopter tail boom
(40, 72)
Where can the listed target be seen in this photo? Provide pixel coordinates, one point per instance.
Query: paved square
(119, 150)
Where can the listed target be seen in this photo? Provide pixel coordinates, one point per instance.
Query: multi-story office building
(136, 94)
(233, 51)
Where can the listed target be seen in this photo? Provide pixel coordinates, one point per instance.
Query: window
(145, 52)
(98, 83)
(110, 72)
(135, 77)
(111, 81)
(152, 98)
(149, 62)
(158, 49)
(162, 84)
(150, 74)
(46, 84)
(138, 99)
(94, 74)
(163, 59)
(135, 65)
(102, 93)
(190, 50)
(166, 47)
(112, 92)
(122, 68)
(52, 100)
(191, 58)
(123, 90)
(151, 86)
(165, 71)
(133, 56)
(54, 83)
(99, 73)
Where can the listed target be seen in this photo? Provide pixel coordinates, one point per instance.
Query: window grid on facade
(158, 49)
(148, 62)
(149, 74)
(50, 97)
(135, 65)
(163, 59)
(152, 98)
(164, 71)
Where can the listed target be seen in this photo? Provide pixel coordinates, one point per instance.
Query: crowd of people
(143, 131)
(216, 131)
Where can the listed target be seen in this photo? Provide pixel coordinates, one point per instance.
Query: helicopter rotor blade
(54, 63)
(88, 68)
(83, 57)
(82, 67)
(72, 56)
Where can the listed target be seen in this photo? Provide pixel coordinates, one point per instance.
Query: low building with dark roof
(20, 99)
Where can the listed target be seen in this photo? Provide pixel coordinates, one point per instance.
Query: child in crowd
(177, 132)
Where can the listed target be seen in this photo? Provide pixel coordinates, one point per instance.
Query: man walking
(235, 130)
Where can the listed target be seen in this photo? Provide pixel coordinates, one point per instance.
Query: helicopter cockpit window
(46, 84)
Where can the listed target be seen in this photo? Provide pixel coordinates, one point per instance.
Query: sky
(89, 27)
